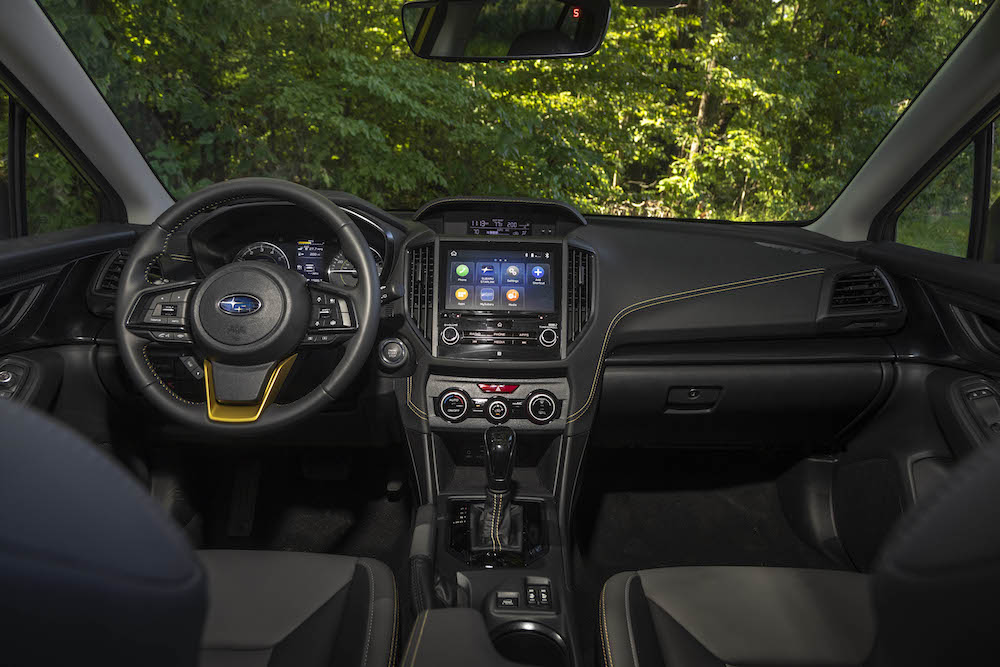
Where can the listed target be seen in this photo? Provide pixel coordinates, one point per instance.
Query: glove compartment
(804, 405)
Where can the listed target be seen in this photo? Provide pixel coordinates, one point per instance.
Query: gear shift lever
(498, 523)
(501, 445)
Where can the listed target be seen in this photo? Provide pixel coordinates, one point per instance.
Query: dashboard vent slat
(862, 290)
(420, 292)
(579, 291)
(110, 273)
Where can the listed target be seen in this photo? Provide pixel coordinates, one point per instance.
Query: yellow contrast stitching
(496, 522)
(409, 400)
(416, 644)
(395, 623)
(163, 384)
(670, 298)
(606, 642)
(187, 219)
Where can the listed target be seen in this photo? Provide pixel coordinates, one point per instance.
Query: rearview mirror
(476, 30)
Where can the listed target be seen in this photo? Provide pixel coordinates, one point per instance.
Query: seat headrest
(91, 570)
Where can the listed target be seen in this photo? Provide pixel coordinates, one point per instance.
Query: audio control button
(548, 337)
(454, 405)
(541, 407)
(450, 335)
(497, 410)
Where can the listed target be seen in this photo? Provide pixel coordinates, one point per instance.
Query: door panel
(49, 304)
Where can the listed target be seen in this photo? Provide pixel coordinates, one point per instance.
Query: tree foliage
(742, 110)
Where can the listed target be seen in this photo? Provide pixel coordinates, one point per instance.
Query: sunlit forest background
(740, 110)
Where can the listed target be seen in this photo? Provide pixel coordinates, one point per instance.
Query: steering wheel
(247, 320)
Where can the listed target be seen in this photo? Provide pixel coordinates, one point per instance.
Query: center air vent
(110, 273)
(420, 288)
(862, 290)
(579, 291)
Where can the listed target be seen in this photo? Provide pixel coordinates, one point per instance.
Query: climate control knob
(541, 406)
(454, 405)
(450, 335)
(548, 337)
(497, 410)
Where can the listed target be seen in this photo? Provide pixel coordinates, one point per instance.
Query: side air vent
(862, 290)
(110, 273)
(420, 288)
(579, 291)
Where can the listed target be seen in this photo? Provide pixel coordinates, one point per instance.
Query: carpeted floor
(320, 505)
(657, 508)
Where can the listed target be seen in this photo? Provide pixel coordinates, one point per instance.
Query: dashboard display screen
(498, 226)
(500, 280)
(309, 259)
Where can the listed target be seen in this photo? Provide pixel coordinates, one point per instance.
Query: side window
(57, 195)
(939, 218)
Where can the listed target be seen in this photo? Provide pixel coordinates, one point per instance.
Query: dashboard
(492, 292)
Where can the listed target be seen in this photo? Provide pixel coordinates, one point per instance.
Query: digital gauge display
(309, 259)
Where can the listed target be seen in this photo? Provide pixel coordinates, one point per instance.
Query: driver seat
(93, 572)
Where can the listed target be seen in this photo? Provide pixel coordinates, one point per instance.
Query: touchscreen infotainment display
(500, 280)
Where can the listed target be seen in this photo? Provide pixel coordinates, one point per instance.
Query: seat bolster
(382, 629)
(279, 609)
(635, 631)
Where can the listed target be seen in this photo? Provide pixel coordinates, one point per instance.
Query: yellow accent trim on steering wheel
(242, 413)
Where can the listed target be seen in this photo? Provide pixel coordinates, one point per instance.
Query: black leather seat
(92, 572)
(932, 598)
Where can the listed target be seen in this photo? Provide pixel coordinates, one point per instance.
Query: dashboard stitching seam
(409, 400)
(671, 298)
(163, 384)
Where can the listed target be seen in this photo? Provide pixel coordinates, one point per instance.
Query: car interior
(274, 424)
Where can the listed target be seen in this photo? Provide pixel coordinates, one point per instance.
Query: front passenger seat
(92, 572)
(932, 599)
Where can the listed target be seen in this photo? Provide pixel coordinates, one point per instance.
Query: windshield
(747, 110)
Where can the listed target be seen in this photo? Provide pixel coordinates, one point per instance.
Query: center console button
(497, 410)
(548, 337)
(450, 335)
(454, 404)
(541, 407)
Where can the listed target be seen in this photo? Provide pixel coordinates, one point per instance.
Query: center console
(492, 289)
(499, 300)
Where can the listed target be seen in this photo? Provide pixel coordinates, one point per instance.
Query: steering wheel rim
(135, 285)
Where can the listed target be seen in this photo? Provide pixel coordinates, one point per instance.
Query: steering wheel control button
(454, 404)
(497, 410)
(450, 335)
(393, 353)
(548, 337)
(541, 407)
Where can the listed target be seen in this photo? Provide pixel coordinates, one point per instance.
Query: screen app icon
(486, 294)
(537, 272)
(461, 294)
(462, 270)
(513, 295)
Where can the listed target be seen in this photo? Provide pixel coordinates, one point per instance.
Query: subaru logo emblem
(239, 304)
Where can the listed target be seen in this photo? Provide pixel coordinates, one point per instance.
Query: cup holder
(531, 644)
